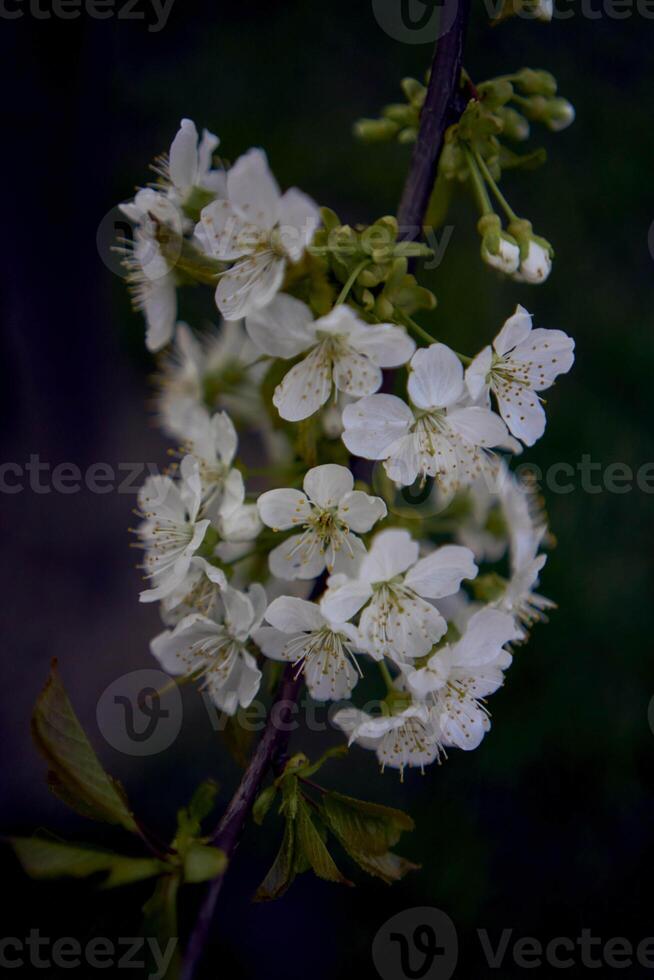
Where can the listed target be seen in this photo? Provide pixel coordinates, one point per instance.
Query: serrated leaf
(283, 870)
(312, 846)
(202, 862)
(189, 819)
(369, 828)
(389, 867)
(76, 775)
(263, 803)
(45, 859)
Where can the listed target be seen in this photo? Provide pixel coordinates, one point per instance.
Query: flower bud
(534, 82)
(535, 254)
(560, 114)
(414, 91)
(498, 249)
(375, 130)
(516, 127)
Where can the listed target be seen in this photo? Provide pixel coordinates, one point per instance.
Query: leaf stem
(488, 177)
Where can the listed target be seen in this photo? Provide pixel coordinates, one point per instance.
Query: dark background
(547, 828)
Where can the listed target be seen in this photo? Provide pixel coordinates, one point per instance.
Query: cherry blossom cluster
(313, 568)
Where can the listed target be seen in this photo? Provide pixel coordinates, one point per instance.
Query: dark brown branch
(443, 106)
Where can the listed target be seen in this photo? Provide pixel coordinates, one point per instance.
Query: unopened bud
(534, 82)
(560, 114)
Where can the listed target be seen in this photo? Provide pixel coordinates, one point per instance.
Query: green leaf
(283, 870)
(313, 847)
(203, 862)
(389, 867)
(263, 803)
(189, 819)
(160, 922)
(76, 775)
(43, 859)
(369, 828)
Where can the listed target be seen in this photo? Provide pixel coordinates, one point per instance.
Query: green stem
(386, 674)
(488, 177)
(478, 185)
(350, 281)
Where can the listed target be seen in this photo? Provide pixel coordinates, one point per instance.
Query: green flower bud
(516, 127)
(560, 114)
(496, 92)
(399, 113)
(414, 91)
(375, 130)
(534, 82)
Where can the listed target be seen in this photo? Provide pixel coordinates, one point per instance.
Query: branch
(269, 752)
(443, 106)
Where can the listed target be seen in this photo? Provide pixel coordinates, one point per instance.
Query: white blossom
(259, 230)
(189, 163)
(212, 441)
(408, 737)
(535, 265)
(521, 362)
(221, 361)
(149, 273)
(321, 648)
(171, 532)
(343, 353)
(393, 586)
(457, 677)
(330, 514)
(215, 648)
(519, 596)
(440, 437)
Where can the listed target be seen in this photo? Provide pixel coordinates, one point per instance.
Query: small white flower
(441, 437)
(330, 513)
(149, 273)
(258, 229)
(560, 114)
(458, 676)
(500, 511)
(218, 364)
(342, 351)
(519, 597)
(212, 441)
(520, 363)
(171, 532)
(393, 585)
(323, 649)
(215, 648)
(406, 738)
(507, 257)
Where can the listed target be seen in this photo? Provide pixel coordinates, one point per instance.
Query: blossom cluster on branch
(315, 559)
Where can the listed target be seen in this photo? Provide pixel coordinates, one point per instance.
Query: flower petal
(283, 509)
(391, 553)
(325, 485)
(250, 284)
(291, 615)
(515, 331)
(299, 217)
(282, 328)
(478, 426)
(290, 561)
(253, 190)
(374, 424)
(441, 573)
(436, 378)
(360, 511)
(305, 388)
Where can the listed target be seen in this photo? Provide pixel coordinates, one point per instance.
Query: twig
(444, 104)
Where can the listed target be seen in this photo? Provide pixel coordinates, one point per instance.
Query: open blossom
(171, 532)
(149, 273)
(440, 437)
(392, 587)
(215, 648)
(329, 513)
(343, 353)
(259, 230)
(457, 677)
(174, 529)
(519, 597)
(321, 648)
(521, 362)
(212, 441)
(408, 737)
(219, 361)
